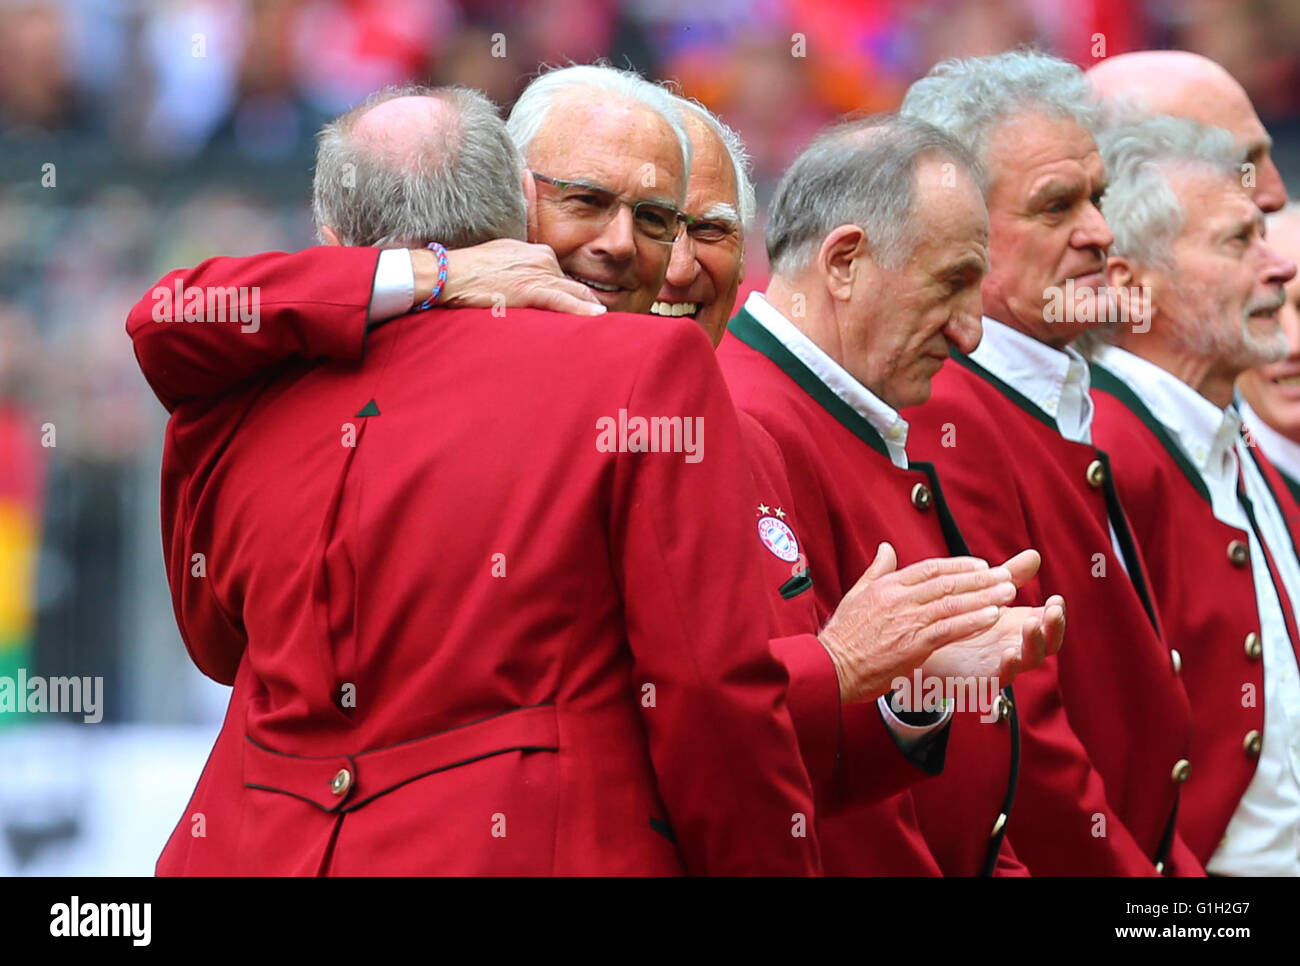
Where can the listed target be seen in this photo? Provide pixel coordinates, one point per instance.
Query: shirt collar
(1282, 452)
(1055, 380)
(1206, 433)
(883, 419)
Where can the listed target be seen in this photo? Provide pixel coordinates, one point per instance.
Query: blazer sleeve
(848, 765)
(202, 331)
(681, 533)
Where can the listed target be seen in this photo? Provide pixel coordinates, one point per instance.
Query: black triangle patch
(369, 409)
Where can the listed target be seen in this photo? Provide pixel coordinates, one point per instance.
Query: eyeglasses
(657, 221)
(710, 230)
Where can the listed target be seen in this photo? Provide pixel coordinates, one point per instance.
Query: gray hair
(529, 113)
(861, 173)
(460, 189)
(740, 161)
(969, 97)
(1144, 212)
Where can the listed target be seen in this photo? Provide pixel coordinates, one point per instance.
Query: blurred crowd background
(142, 135)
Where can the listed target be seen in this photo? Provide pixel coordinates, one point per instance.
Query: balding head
(413, 165)
(1190, 86)
(399, 130)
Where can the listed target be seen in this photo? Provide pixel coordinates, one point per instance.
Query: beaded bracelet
(441, 253)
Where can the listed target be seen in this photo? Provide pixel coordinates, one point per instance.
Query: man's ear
(838, 259)
(1119, 272)
(329, 235)
(530, 204)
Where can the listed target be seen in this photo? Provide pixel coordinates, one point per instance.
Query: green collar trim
(1106, 381)
(1012, 393)
(751, 332)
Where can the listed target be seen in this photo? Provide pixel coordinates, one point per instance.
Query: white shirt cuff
(394, 291)
(908, 736)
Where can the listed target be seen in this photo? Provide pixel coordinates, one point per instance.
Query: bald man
(1187, 85)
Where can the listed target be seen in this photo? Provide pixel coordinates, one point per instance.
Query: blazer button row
(921, 498)
(1096, 474)
(1238, 553)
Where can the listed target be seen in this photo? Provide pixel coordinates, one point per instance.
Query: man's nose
(965, 328)
(1093, 232)
(617, 240)
(1278, 269)
(1270, 189)
(683, 269)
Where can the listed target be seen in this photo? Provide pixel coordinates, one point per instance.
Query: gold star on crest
(779, 512)
(764, 509)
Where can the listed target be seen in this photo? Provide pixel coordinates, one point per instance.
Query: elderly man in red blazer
(847, 332)
(1009, 427)
(1207, 508)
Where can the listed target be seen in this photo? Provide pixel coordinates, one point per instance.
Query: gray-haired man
(1009, 426)
(1207, 508)
(877, 241)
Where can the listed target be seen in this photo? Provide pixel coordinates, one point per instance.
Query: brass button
(921, 496)
(1182, 770)
(1254, 648)
(1003, 706)
(1238, 553)
(998, 825)
(1096, 474)
(1160, 868)
(1253, 742)
(1176, 660)
(342, 782)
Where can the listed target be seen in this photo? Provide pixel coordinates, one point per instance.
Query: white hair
(1140, 205)
(969, 97)
(530, 111)
(740, 161)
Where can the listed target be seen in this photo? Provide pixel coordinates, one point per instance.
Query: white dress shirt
(1057, 381)
(1263, 837)
(883, 418)
(1284, 452)
(393, 293)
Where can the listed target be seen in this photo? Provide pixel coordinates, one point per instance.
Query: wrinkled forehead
(622, 145)
(1024, 145)
(713, 176)
(1212, 201)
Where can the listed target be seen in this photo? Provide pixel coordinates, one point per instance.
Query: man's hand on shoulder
(503, 273)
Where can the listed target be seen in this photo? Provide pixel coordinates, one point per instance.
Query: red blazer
(460, 651)
(1015, 482)
(822, 444)
(1202, 581)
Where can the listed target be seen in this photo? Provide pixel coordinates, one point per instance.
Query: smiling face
(1222, 297)
(1273, 390)
(906, 319)
(625, 148)
(708, 259)
(1045, 226)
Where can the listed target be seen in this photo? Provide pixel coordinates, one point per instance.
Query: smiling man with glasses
(610, 160)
